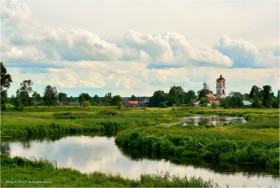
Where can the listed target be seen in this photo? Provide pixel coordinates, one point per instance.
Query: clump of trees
(6, 80)
(259, 97)
(175, 96)
(50, 97)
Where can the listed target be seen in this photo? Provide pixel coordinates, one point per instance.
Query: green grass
(50, 121)
(230, 144)
(20, 172)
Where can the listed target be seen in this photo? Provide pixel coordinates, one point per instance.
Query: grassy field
(53, 121)
(144, 132)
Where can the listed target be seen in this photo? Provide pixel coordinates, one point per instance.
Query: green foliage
(86, 103)
(96, 100)
(133, 98)
(202, 94)
(107, 99)
(6, 80)
(255, 92)
(4, 99)
(256, 103)
(235, 100)
(189, 98)
(62, 98)
(204, 101)
(158, 97)
(36, 98)
(252, 142)
(214, 105)
(162, 105)
(50, 97)
(116, 100)
(267, 96)
(84, 97)
(175, 95)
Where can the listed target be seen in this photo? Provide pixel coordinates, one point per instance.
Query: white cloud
(172, 50)
(75, 58)
(245, 54)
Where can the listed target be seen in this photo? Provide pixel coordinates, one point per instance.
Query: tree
(256, 103)
(204, 101)
(62, 98)
(158, 97)
(50, 96)
(267, 96)
(175, 95)
(95, 100)
(202, 94)
(107, 99)
(37, 99)
(235, 100)
(189, 97)
(116, 100)
(84, 97)
(255, 92)
(6, 80)
(133, 98)
(23, 92)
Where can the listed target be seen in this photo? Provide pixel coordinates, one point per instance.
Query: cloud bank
(76, 58)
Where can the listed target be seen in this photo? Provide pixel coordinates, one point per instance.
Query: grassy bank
(20, 172)
(53, 121)
(232, 144)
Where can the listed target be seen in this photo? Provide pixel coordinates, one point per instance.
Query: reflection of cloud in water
(199, 120)
(89, 154)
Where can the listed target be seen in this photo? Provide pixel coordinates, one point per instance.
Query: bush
(162, 105)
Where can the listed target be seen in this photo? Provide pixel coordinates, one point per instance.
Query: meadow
(145, 132)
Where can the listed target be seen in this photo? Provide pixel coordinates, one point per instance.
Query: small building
(133, 103)
(247, 103)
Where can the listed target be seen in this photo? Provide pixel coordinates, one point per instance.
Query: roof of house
(246, 103)
(133, 102)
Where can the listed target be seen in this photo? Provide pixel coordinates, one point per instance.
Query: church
(220, 90)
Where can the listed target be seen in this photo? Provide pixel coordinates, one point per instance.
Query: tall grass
(230, 144)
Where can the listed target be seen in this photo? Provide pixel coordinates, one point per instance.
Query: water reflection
(89, 154)
(201, 120)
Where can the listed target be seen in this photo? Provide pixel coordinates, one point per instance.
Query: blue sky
(138, 47)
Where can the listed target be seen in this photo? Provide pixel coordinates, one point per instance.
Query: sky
(138, 47)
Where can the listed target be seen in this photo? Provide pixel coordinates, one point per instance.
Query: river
(99, 153)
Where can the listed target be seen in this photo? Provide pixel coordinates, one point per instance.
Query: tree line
(25, 96)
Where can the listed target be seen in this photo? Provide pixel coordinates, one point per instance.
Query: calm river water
(199, 120)
(89, 154)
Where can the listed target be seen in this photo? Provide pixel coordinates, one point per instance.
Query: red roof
(133, 102)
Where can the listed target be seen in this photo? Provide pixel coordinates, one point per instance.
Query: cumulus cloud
(75, 58)
(172, 50)
(24, 36)
(246, 55)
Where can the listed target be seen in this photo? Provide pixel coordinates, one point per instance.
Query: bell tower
(221, 88)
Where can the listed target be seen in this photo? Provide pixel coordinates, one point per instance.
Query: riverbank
(20, 172)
